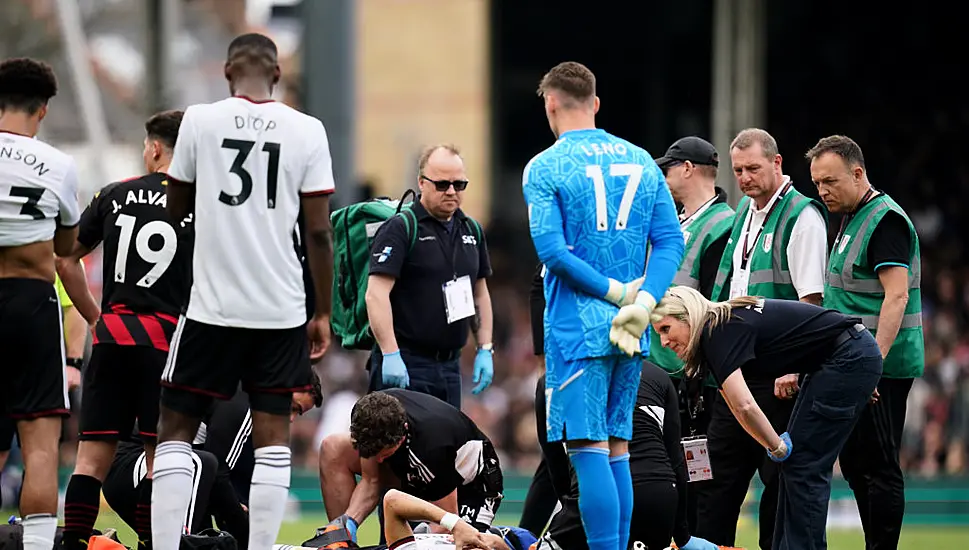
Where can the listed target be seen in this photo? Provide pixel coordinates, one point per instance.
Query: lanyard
(689, 219)
(847, 217)
(454, 250)
(746, 253)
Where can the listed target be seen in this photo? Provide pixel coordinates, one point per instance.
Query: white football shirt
(250, 162)
(38, 190)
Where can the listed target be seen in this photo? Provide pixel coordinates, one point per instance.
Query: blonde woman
(750, 338)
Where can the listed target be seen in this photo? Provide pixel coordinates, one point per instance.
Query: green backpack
(354, 228)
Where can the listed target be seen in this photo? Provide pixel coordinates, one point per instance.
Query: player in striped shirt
(147, 262)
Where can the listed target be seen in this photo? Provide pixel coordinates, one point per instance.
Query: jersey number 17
(632, 171)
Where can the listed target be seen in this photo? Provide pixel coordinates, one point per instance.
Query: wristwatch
(490, 348)
(75, 362)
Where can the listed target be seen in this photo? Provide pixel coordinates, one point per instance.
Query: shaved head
(252, 55)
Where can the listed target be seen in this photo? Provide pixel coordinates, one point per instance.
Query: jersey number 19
(159, 259)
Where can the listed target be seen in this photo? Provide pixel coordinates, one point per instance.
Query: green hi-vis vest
(769, 273)
(710, 225)
(853, 287)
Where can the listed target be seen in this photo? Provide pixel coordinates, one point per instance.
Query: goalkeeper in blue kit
(595, 203)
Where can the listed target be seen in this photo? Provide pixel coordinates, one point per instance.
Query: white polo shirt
(807, 251)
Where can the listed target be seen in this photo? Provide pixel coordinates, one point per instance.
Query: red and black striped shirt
(147, 262)
(119, 325)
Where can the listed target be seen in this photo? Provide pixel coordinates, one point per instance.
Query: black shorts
(210, 361)
(121, 385)
(32, 358)
(8, 429)
(129, 468)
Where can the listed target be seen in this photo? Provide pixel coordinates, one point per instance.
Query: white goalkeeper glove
(623, 294)
(630, 323)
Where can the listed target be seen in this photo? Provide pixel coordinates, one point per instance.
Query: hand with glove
(484, 368)
(394, 371)
(696, 543)
(623, 294)
(783, 450)
(630, 323)
(349, 524)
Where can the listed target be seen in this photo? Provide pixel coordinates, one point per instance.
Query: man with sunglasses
(427, 287)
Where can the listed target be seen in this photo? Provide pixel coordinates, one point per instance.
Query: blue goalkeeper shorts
(591, 398)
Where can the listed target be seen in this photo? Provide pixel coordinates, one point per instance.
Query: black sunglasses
(443, 185)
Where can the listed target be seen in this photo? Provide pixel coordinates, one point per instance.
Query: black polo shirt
(442, 252)
(774, 338)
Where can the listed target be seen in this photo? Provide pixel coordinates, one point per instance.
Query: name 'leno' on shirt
(603, 149)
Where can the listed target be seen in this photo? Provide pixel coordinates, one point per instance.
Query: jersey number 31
(634, 172)
(243, 148)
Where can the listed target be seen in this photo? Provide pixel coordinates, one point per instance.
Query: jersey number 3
(243, 148)
(634, 172)
(160, 259)
(33, 195)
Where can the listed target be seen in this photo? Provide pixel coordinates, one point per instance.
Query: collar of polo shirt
(773, 199)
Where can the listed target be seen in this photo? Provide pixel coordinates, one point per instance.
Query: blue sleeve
(548, 234)
(666, 243)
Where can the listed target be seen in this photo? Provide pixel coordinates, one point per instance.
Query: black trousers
(552, 481)
(693, 427)
(440, 378)
(654, 513)
(734, 457)
(869, 462)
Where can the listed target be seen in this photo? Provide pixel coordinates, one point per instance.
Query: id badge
(458, 299)
(739, 283)
(697, 458)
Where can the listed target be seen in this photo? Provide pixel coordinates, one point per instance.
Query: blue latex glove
(351, 527)
(345, 522)
(696, 543)
(786, 438)
(484, 370)
(394, 371)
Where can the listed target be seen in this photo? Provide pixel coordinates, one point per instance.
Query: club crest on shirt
(843, 244)
(768, 241)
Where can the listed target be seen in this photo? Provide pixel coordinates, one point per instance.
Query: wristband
(75, 362)
(449, 521)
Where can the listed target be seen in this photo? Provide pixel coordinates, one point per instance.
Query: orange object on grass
(99, 542)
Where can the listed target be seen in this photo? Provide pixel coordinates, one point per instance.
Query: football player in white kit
(400, 510)
(246, 165)
(39, 214)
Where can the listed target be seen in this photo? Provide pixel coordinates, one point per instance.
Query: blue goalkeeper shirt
(595, 203)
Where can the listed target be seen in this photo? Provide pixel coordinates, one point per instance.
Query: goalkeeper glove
(630, 323)
(623, 294)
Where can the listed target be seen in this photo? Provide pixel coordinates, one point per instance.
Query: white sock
(39, 531)
(171, 493)
(268, 494)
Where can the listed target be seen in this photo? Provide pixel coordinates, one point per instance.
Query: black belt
(848, 334)
(435, 354)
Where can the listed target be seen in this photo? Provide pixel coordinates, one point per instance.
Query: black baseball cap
(694, 149)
